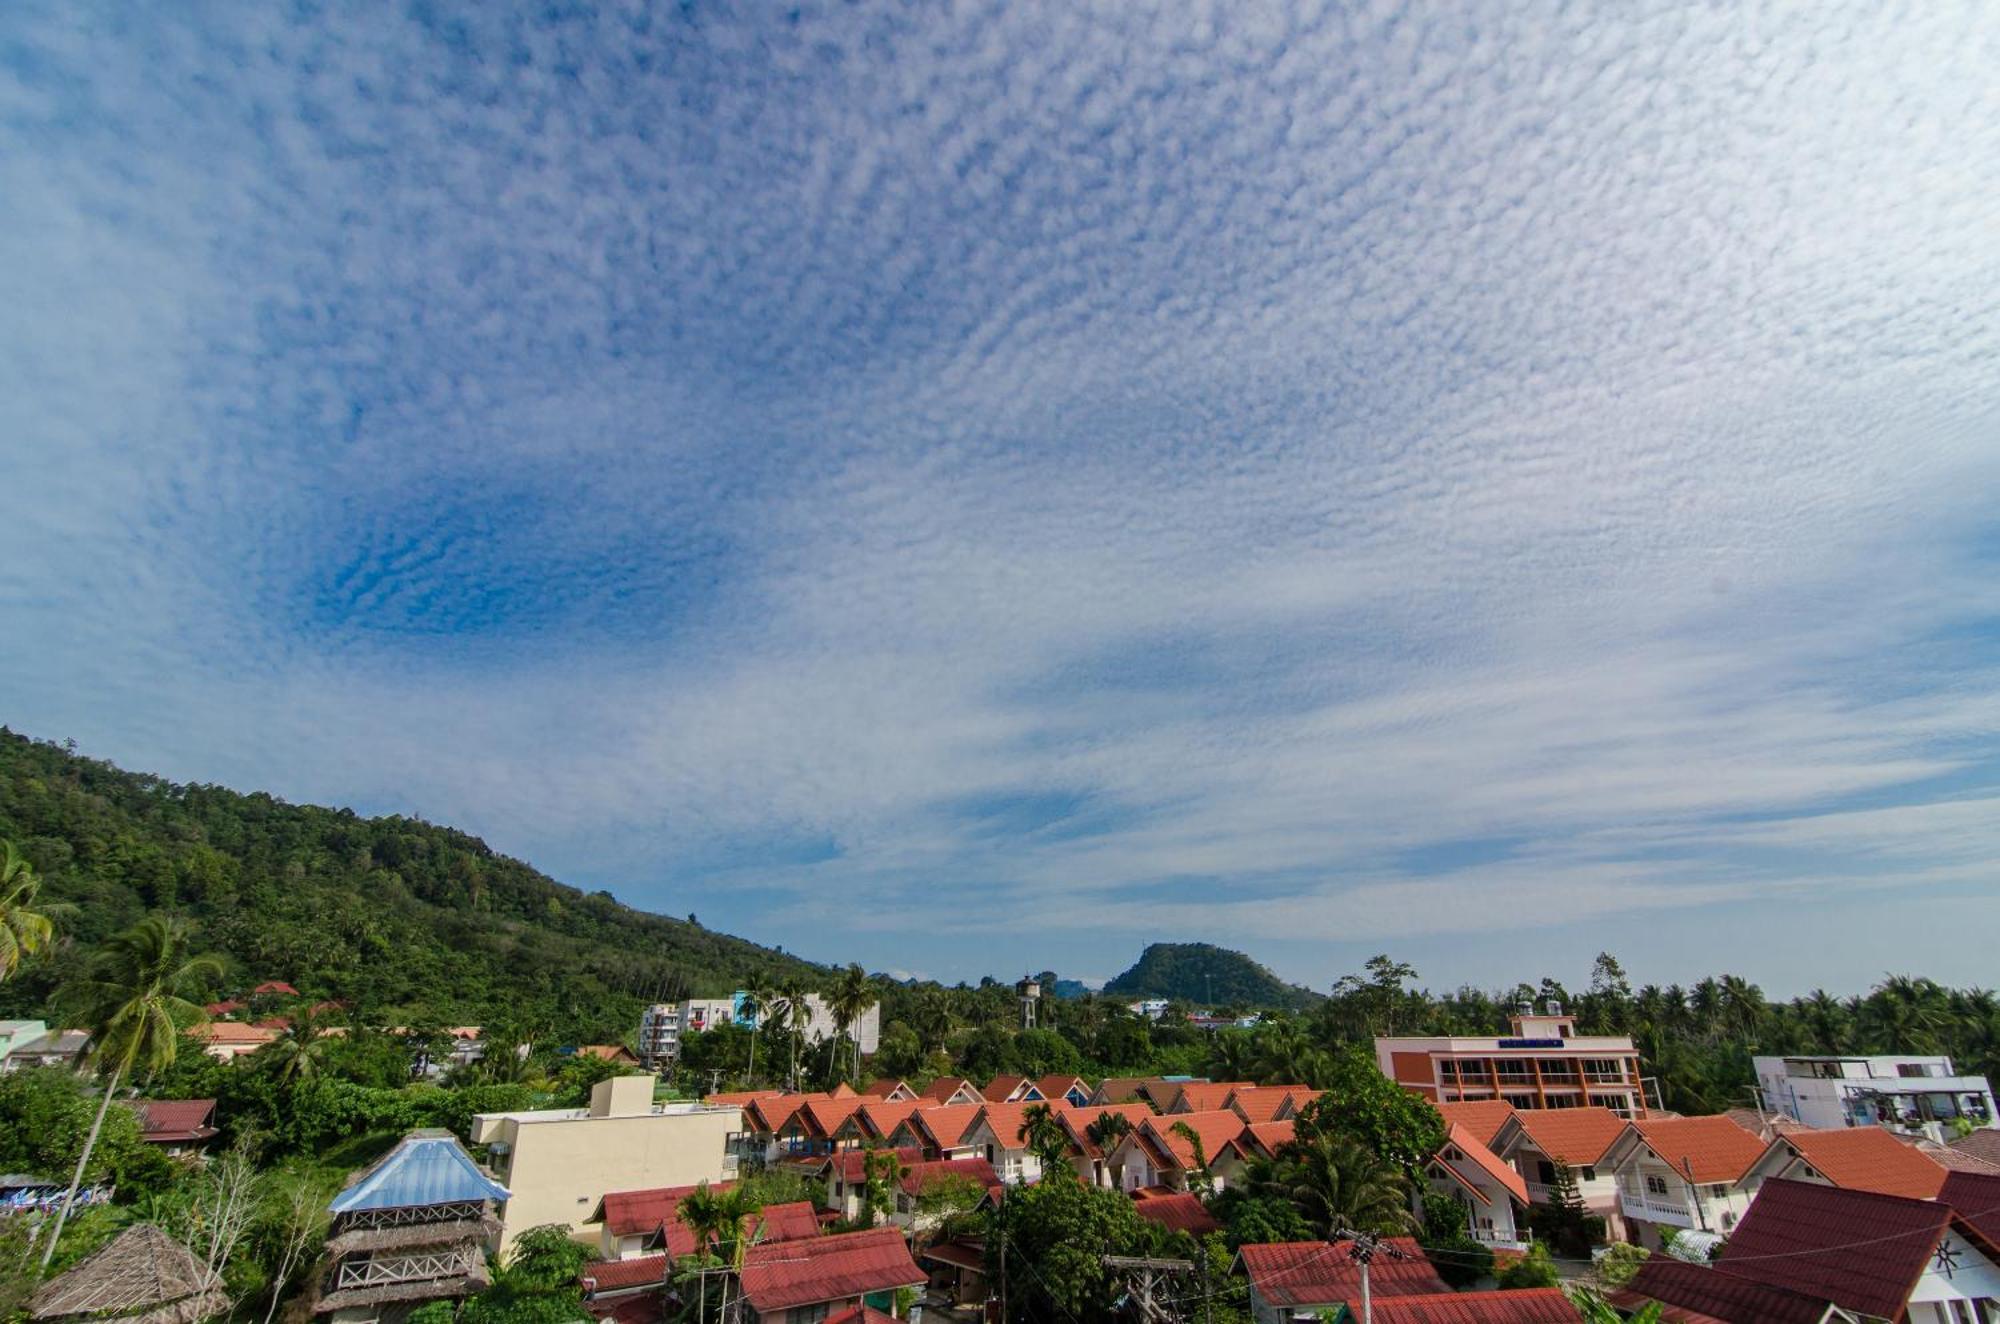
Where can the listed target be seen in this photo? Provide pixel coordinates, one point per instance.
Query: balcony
(1657, 1209)
(425, 1266)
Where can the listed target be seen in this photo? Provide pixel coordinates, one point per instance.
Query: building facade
(1915, 1095)
(663, 1025)
(1543, 1064)
(559, 1163)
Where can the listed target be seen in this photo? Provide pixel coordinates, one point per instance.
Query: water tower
(1029, 990)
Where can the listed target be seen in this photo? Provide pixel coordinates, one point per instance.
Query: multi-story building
(663, 1024)
(1918, 1095)
(558, 1164)
(1544, 1063)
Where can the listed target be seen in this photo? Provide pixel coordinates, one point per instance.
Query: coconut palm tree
(716, 1218)
(796, 1000)
(756, 1006)
(933, 1018)
(136, 999)
(298, 1053)
(1045, 1137)
(850, 997)
(25, 928)
(1336, 1182)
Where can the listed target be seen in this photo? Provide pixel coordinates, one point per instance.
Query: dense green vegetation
(401, 920)
(1211, 976)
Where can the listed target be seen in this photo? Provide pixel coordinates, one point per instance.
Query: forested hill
(403, 920)
(1206, 975)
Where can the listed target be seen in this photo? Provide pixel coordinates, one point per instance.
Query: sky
(982, 487)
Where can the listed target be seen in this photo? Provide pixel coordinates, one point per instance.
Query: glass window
(1655, 1185)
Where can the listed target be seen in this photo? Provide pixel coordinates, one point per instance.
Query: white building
(663, 1024)
(1691, 1174)
(1543, 1064)
(1916, 1095)
(1150, 1008)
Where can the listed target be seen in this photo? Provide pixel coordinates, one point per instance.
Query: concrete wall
(559, 1171)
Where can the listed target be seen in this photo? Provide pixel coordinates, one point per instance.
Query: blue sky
(981, 488)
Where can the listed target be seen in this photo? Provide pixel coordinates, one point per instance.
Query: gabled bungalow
(1203, 1096)
(843, 1090)
(827, 1122)
(996, 1132)
(879, 1118)
(1073, 1090)
(1267, 1103)
(141, 1276)
(1180, 1211)
(1290, 1279)
(793, 1282)
(54, 1048)
(1861, 1158)
(940, 1131)
(739, 1098)
(952, 1090)
(1686, 1173)
(1534, 1140)
(616, 1054)
(1491, 1190)
(889, 1089)
(1483, 1119)
(847, 1175)
(642, 1224)
(768, 1124)
(274, 988)
(1011, 1089)
(919, 1178)
(1157, 1154)
(178, 1126)
(411, 1227)
(1125, 1089)
(1091, 1160)
(1821, 1252)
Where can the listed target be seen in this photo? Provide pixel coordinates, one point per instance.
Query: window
(1728, 1220)
(1586, 1173)
(806, 1314)
(1655, 1185)
(1545, 1172)
(1717, 1191)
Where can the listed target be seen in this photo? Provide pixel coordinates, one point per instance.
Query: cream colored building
(558, 1164)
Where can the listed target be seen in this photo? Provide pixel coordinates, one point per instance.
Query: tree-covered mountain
(402, 920)
(1208, 975)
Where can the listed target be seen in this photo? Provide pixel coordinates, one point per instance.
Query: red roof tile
(739, 1098)
(1202, 1096)
(879, 1117)
(1078, 1122)
(1534, 1305)
(944, 1087)
(1714, 1149)
(1180, 1211)
(772, 1112)
(851, 1164)
(1053, 1088)
(1577, 1136)
(1261, 1104)
(1859, 1249)
(863, 1314)
(617, 1275)
(1983, 1143)
(1320, 1273)
(233, 1034)
(921, 1175)
(639, 1213)
(1266, 1138)
(1697, 1293)
(1216, 1128)
(1005, 1089)
(822, 1116)
(882, 1089)
(1460, 1138)
(844, 1091)
(163, 1121)
(274, 986)
(1006, 1120)
(780, 1275)
(1866, 1158)
(1975, 1197)
(944, 1126)
(1484, 1119)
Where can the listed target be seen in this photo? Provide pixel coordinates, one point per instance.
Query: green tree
(847, 1001)
(1364, 1105)
(25, 926)
(1534, 1269)
(538, 1283)
(297, 1054)
(1461, 1258)
(1336, 1182)
(1055, 1235)
(134, 999)
(1046, 1139)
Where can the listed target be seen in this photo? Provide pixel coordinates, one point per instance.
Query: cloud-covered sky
(980, 487)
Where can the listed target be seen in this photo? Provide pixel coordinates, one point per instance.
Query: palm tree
(756, 1005)
(1108, 1129)
(1045, 1136)
(24, 929)
(932, 1018)
(298, 1053)
(849, 998)
(135, 1000)
(797, 1001)
(1336, 1182)
(716, 1219)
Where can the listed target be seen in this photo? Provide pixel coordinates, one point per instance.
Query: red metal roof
(1320, 1273)
(1715, 1149)
(850, 1164)
(1697, 1294)
(1975, 1197)
(274, 986)
(617, 1275)
(1533, 1305)
(638, 1213)
(1178, 1210)
(164, 1121)
(780, 1275)
(787, 1222)
(1859, 1249)
(859, 1315)
(1866, 1158)
(920, 1175)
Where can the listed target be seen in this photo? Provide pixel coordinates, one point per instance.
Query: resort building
(560, 1163)
(412, 1227)
(1918, 1095)
(1691, 1174)
(1543, 1064)
(179, 1127)
(1536, 1141)
(1493, 1192)
(663, 1025)
(1864, 1159)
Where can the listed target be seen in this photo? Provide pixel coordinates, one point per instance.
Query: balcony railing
(425, 1266)
(1656, 1209)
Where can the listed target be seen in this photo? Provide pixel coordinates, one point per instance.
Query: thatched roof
(142, 1276)
(415, 1234)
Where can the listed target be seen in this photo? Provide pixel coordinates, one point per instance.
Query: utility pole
(1363, 1247)
(1694, 1191)
(1142, 1273)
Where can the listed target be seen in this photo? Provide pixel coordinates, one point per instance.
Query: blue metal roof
(425, 1167)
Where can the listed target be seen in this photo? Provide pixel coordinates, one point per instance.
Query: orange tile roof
(1867, 1158)
(844, 1091)
(882, 1116)
(1216, 1127)
(1714, 1149)
(1002, 1089)
(1201, 1096)
(822, 1116)
(1577, 1136)
(1487, 1161)
(1078, 1122)
(740, 1097)
(1264, 1138)
(233, 1033)
(945, 1086)
(1007, 1120)
(1483, 1119)
(1057, 1087)
(608, 1053)
(1262, 1103)
(944, 1125)
(773, 1112)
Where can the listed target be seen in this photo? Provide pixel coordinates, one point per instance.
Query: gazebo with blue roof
(411, 1227)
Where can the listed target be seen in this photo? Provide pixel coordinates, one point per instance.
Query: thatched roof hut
(142, 1276)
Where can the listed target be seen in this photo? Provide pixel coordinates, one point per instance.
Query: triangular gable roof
(1005, 1120)
(1580, 1137)
(1862, 1158)
(791, 1221)
(946, 1089)
(1484, 1119)
(771, 1113)
(880, 1117)
(1322, 1273)
(1123, 1089)
(165, 1120)
(1705, 1150)
(1060, 1087)
(1078, 1121)
(822, 1117)
(843, 1090)
(1261, 1103)
(1461, 1138)
(425, 1168)
(889, 1089)
(1265, 1139)
(1217, 1128)
(639, 1213)
(1009, 1089)
(1859, 1249)
(1700, 1291)
(1178, 1210)
(944, 1126)
(1975, 1197)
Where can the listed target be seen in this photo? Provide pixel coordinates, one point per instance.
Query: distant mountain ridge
(1207, 975)
(397, 918)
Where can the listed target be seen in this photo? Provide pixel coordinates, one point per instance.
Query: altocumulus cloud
(990, 487)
